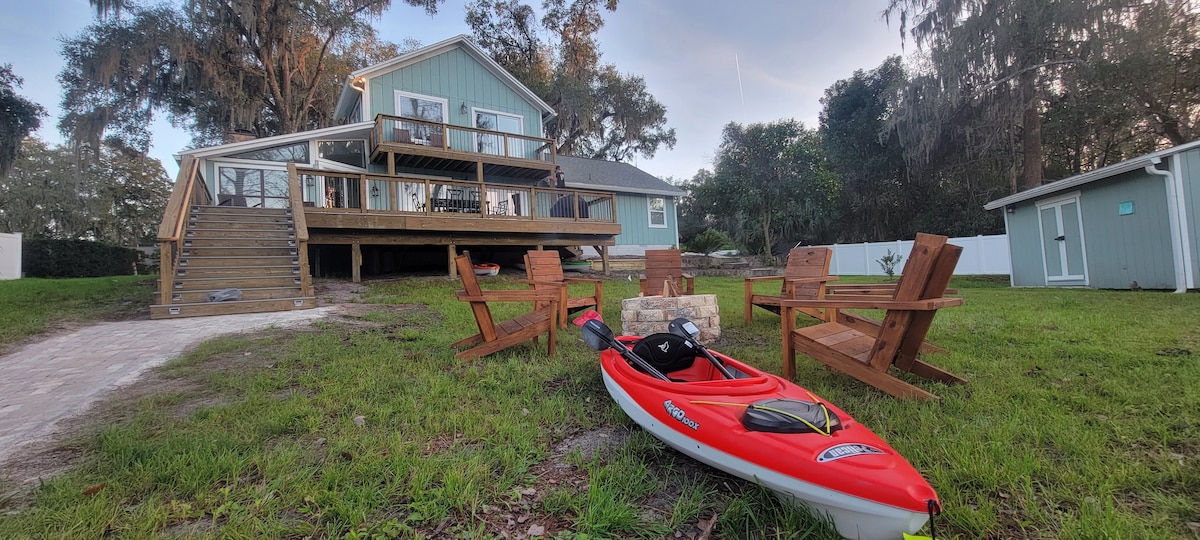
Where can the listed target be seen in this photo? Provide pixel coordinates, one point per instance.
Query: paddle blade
(589, 315)
(597, 335)
(683, 328)
(913, 537)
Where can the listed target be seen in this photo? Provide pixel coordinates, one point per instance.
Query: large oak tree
(270, 66)
(602, 113)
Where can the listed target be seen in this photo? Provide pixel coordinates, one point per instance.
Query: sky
(709, 62)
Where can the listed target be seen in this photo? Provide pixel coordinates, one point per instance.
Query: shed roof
(1090, 176)
(599, 174)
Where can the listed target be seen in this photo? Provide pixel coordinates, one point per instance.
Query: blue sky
(789, 52)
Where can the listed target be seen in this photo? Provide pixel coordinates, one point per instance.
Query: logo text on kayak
(846, 450)
(679, 415)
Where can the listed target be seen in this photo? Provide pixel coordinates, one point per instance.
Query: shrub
(709, 241)
(888, 263)
(75, 258)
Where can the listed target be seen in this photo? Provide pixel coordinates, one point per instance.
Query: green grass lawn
(1081, 421)
(29, 306)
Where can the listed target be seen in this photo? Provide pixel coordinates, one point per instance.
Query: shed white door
(1062, 241)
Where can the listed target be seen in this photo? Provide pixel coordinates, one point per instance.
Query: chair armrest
(814, 279)
(842, 303)
(687, 276)
(510, 296)
(582, 280)
(762, 278)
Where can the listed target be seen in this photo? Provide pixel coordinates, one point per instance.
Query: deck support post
(356, 261)
(604, 260)
(451, 252)
(391, 157)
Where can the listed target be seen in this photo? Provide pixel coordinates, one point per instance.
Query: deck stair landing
(251, 249)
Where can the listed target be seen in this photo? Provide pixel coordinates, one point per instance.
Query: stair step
(204, 272)
(224, 282)
(240, 210)
(256, 233)
(242, 242)
(240, 251)
(200, 261)
(200, 309)
(249, 293)
(274, 218)
(205, 224)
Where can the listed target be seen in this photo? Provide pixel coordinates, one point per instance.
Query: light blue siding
(1134, 247)
(1119, 249)
(459, 78)
(633, 213)
(1025, 247)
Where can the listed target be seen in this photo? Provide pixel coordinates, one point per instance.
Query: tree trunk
(1031, 130)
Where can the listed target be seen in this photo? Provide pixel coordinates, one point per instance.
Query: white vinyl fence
(981, 255)
(10, 256)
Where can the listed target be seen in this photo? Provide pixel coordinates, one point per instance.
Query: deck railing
(411, 131)
(401, 195)
(190, 190)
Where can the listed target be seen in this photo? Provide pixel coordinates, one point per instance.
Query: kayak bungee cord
(828, 431)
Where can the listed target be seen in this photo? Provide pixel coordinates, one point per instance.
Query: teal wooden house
(1131, 225)
(437, 151)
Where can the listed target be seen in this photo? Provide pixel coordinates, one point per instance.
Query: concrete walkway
(45, 382)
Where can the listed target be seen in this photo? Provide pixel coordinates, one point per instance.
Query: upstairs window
(288, 153)
(658, 212)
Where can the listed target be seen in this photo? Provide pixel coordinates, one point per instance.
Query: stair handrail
(296, 200)
(179, 206)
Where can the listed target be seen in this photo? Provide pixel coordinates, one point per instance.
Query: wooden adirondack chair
(494, 336)
(544, 272)
(910, 310)
(804, 277)
(663, 265)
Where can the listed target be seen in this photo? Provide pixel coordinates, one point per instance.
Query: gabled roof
(583, 173)
(346, 100)
(1139, 162)
(358, 130)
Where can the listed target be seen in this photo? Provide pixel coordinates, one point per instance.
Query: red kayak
(764, 429)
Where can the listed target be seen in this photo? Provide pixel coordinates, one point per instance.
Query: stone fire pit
(647, 315)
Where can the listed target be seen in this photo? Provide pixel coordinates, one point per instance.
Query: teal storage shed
(1131, 225)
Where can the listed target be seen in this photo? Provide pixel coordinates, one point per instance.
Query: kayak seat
(666, 352)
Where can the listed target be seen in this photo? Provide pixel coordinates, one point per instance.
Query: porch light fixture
(374, 191)
(308, 181)
(463, 108)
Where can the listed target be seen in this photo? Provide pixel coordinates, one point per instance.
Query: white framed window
(256, 186)
(658, 212)
(486, 143)
(421, 107)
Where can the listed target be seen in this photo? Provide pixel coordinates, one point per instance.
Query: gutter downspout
(1173, 223)
(1184, 227)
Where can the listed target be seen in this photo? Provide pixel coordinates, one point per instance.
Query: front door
(1062, 241)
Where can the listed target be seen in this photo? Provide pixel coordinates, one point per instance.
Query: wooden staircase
(254, 250)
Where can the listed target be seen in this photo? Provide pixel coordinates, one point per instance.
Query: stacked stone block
(647, 315)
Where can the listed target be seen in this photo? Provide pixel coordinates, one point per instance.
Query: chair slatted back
(483, 315)
(662, 265)
(806, 262)
(939, 280)
(913, 285)
(543, 267)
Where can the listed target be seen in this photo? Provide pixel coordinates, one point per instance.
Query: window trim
(400, 94)
(520, 121)
(650, 211)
